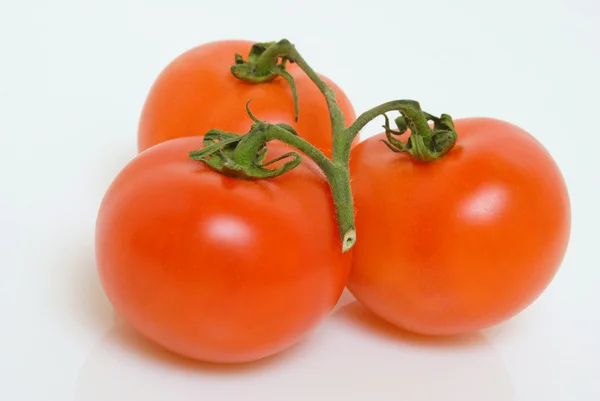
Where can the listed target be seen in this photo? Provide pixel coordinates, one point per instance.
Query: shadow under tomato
(345, 358)
(127, 340)
(127, 366)
(360, 315)
(425, 368)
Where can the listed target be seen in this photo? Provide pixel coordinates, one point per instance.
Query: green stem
(338, 177)
(275, 132)
(266, 65)
(342, 143)
(242, 157)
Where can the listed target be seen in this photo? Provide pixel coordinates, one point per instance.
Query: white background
(73, 77)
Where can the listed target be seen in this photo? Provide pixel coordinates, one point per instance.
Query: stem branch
(242, 156)
(338, 178)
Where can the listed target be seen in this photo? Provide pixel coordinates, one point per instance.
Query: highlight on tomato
(218, 268)
(462, 242)
(207, 87)
(222, 243)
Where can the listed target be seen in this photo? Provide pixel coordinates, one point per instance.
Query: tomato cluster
(217, 265)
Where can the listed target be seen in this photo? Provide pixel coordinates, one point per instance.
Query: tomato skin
(216, 268)
(196, 92)
(462, 243)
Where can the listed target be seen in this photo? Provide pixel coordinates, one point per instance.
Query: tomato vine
(242, 156)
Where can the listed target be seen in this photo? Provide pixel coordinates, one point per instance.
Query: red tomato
(216, 268)
(461, 243)
(196, 92)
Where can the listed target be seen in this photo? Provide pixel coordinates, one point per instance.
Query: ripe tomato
(216, 268)
(197, 92)
(461, 243)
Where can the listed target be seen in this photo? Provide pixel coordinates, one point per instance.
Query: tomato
(461, 243)
(216, 268)
(196, 92)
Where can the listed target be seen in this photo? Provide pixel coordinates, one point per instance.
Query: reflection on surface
(352, 356)
(420, 368)
(485, 205)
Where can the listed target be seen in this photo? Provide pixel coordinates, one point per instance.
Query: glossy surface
(75, 75)
(462, 243)
(330, 363)
(216, 268)
(196, 92)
